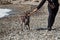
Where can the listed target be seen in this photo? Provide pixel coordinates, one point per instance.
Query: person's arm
(38, 7)
(41, 4)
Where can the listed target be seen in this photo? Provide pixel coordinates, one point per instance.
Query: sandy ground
(10, 28)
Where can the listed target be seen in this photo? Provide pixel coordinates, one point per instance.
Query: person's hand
(32, 12)
(35, 10)
(52, 6)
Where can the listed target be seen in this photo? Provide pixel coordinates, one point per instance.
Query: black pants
(52, 15)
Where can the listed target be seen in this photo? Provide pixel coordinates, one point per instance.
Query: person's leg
(51, 18)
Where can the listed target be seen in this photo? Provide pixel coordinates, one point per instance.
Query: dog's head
(25, 16)
(26, 13)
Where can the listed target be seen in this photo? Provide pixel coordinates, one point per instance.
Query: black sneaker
(49, 29)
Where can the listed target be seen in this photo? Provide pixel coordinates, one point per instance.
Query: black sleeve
(40, 5)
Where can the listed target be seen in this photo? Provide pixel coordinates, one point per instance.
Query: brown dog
(25, 20)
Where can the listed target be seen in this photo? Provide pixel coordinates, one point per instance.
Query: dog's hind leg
(22, 26)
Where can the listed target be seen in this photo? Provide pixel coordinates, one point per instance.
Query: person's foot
(49, 29)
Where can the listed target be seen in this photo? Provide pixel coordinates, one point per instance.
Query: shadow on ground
(44, 29)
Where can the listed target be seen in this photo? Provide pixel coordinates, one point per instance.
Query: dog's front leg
(28, 26)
